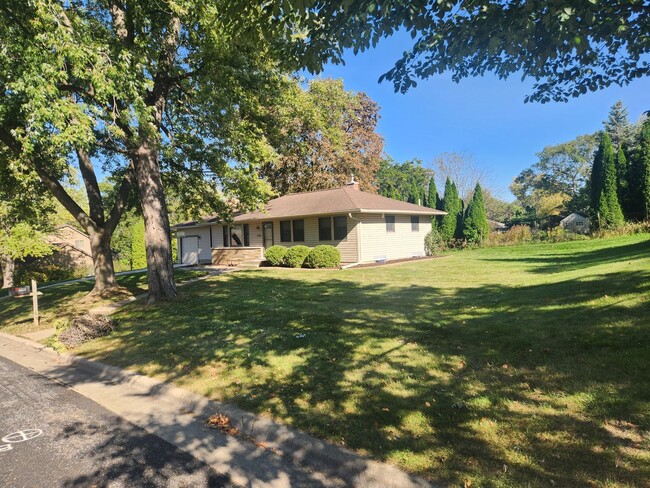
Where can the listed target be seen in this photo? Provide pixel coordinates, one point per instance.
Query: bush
(295, 256)
(434, 243)
(275, 255)
(323, 257)
(517, 234)
(630, 228)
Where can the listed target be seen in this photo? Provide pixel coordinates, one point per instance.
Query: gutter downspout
(359, 260)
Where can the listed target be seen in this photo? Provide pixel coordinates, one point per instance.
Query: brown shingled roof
(335, 201)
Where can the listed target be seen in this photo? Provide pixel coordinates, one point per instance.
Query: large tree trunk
(102, 262)
(8, 266)
(157, 233)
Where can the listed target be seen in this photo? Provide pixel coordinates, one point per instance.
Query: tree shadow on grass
(451, 383)
(557, 263)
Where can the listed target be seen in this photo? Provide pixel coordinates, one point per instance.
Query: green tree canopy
(322, 136)
(405, 181)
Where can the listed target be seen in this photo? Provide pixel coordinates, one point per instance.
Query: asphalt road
(50, 436)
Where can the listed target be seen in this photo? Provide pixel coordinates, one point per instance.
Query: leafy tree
(560, 174)
(452, 204)
(607, 213)
(475, 225)
(403, 181)
(498, 209)
(324, 134)
(557, 44)
(24, 214)
(147, 87)
(618, 126)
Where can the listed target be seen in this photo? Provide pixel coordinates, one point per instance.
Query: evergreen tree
(432, 201)
(639, 179)
(608, 214)
(596, 181)
(432, 196)
(450, 205)
(618, 125)
(622, 180)
(475, 226)
(460, 213)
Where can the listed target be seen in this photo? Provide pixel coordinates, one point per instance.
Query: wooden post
(35, 302)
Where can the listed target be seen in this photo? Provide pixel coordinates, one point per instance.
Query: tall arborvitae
(596, 181)
(622, 177)
(639, 181)
(432, 201)
(432, 196)
(460, 213)
(608, 213)
(475, 226)
(452, 207)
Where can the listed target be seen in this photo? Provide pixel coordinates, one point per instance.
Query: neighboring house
(363, 226)
(72, 247)
(575, 223)
(496, 226)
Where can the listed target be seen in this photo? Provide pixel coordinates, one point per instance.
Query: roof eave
(399, 212)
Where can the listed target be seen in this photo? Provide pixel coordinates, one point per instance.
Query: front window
(298, 230)
(285, 231)
(325, 229)
(390, 223)
(340, 228)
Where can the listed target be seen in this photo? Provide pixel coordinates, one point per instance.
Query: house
(575, 223)
(496, 226)
(363, 226)
(72, 247)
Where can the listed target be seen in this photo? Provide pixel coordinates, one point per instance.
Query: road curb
(298, 448)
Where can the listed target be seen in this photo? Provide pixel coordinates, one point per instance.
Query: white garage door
(190, 249)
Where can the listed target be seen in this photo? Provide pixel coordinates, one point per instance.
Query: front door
(267, 230)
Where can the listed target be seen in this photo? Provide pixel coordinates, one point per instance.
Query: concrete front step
(250, 264)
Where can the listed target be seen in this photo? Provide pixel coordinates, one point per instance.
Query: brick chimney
(353, 184)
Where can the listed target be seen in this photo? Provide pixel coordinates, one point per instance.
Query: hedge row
(303, 256)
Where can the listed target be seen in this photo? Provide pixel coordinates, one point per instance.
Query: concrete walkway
(269, 455)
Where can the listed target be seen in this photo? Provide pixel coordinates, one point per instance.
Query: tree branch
(120, 202)
(95, 201)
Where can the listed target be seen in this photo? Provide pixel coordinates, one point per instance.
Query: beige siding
(347, 247)
(377, 243)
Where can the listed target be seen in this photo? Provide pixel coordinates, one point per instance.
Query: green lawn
(67, 300)
(513, 366)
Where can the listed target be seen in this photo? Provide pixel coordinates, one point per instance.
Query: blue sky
(485, 117)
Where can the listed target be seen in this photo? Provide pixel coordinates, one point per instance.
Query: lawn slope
(514, 366)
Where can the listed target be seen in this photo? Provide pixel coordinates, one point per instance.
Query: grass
(67, 300)
(500, 367)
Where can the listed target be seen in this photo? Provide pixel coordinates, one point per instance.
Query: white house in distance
(575, 223)
(363, 226)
